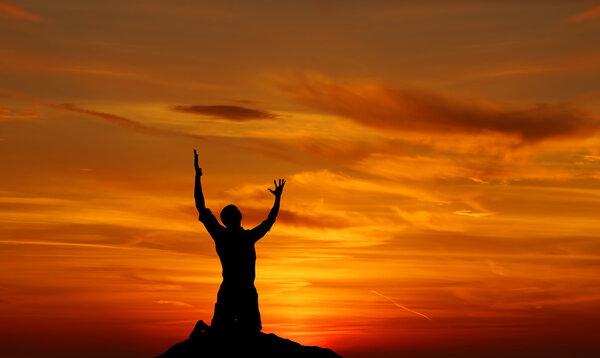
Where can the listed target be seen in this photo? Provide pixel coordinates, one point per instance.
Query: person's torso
(238, 256)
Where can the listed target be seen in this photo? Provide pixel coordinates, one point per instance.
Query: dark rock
(205, 342)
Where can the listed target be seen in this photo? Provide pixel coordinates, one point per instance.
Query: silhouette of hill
(205, 342)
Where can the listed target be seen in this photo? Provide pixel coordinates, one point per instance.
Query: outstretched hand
(198, 169)
(278, 188)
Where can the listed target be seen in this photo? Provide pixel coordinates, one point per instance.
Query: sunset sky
(442, 159)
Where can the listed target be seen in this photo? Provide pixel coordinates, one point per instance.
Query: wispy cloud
(328, 181)
(478, 180)
(55, 243)
(410, 110)
(112, 118)
(314, 219)
(16, 12)
(592, 158)
(125, 122)
(5, 113)
(585, 15)
(471, 213)
(401, 306)
(174, 303)
(232, 113)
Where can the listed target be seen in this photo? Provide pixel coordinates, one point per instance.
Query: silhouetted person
(237, 300)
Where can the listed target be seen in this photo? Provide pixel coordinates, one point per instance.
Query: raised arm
(198, 188)
(266, 225)
(204, 215)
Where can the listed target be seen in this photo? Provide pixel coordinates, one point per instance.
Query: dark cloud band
(420, 111)
(232, 113)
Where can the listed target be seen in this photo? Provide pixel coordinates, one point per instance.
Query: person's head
(231, 216)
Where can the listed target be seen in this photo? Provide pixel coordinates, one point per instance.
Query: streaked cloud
(19, 13)
(401, 306)
(478, 180)
(408, 110)
(174, 303)
(55, 243)
(232, 113)
(588, 14)
(592, 158)
(6, 113)
(112, 118)
(471, 213)
(325, 181)
(125, 122)
(314, 219)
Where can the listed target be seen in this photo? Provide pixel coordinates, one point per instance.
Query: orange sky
(442, 158)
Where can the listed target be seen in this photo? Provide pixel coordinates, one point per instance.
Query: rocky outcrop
(205, 342)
